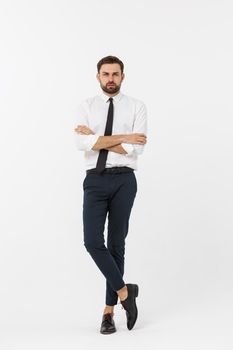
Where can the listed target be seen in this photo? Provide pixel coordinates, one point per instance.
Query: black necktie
(101, 162)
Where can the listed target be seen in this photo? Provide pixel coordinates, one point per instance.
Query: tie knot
(110, 99)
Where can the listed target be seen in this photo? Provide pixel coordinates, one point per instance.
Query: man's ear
(123, 77)
(97, 76)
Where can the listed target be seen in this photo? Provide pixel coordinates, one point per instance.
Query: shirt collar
(116, 98)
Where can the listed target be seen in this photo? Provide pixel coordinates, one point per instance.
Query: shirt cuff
(128, 147)
(91, 141)
(85, 142)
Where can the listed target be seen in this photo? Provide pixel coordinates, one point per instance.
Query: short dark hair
(110, 59)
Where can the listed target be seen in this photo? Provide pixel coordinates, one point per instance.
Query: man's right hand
(137, 138)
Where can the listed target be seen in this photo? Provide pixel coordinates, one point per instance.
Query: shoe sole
(107, 332)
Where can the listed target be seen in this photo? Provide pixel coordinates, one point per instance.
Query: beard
(110, 89)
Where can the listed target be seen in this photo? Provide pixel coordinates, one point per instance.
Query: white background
(178, 59)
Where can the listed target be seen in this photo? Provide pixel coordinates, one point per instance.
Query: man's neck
(111, 95)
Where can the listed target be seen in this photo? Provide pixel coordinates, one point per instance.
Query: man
(111, 129)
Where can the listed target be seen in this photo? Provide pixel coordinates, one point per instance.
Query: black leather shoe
(108, 324)
(129, 304)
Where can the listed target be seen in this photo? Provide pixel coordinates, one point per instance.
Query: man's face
(110, 78)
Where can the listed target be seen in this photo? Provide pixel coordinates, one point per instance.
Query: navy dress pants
(109, 194)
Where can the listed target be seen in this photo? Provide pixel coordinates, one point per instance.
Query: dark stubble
(110, 89)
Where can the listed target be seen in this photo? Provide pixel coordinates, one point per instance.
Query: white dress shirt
(130, 116)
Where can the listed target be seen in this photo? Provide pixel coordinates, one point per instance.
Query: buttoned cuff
(128, 147)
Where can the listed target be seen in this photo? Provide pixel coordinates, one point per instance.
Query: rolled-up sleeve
(83, 142)
(128, 147)
(139, 126)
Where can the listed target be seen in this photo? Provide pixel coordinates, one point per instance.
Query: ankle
(108, 309)
(123, 293)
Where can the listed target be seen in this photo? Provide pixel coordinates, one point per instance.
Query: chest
(123, 118)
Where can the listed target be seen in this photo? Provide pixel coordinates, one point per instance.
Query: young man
(111, 129)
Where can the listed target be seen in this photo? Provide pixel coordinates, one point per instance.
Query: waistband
(113, 170)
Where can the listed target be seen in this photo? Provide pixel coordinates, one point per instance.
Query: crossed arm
(112, 143)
